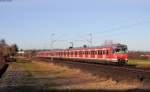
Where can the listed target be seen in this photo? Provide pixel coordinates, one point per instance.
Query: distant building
(20, 53)
(146, 55)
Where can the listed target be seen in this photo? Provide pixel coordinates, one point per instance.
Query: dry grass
(47, 76)
(140, 63)
(76, 79)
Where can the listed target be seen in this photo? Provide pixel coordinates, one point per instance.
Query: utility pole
(90, 39)
(52, 40)
(72, 44)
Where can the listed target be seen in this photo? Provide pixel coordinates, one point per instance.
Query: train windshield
(120, 50)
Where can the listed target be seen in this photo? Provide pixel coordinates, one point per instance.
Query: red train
(114, 53)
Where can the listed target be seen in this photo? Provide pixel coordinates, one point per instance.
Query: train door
(86, 54)
(64, 53)
(67, 53)
(83, 54)
(72, 53)
(80, 54)
(100, 54)
(93, 54)
(96, 54)
(89, 54)
(75, 54)
(104, 54)
(108, 53)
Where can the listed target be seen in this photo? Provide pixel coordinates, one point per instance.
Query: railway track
(127, 67)
(130, 74)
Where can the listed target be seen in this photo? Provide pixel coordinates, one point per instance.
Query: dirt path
(39, 77)
(18, 78)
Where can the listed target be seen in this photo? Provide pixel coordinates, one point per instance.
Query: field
(34, 76)
(139, 63)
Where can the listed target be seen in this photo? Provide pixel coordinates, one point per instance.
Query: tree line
(137, 55)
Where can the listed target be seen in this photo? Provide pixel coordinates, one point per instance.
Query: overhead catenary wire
(115, 29)
(124, 27)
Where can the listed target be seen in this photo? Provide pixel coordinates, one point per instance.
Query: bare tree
(6, 51)
(14, 49)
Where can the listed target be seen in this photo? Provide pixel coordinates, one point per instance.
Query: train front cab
(120, 54)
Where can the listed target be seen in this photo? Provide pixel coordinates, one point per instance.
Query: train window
(99, 52)
(91, 52)
(86, 52)
(104, 52)
(72, 53)
(107, 52)
(120, 50)
(95, 52)
(80, 52)
(76, 53)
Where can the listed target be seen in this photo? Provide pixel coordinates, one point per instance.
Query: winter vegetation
(7, 52)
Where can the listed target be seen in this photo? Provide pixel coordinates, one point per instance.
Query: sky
(34, 24)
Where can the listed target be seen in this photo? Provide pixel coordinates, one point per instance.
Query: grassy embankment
(139, 62)
(42, 75)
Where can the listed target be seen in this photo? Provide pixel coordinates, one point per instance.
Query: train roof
(103, 46)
